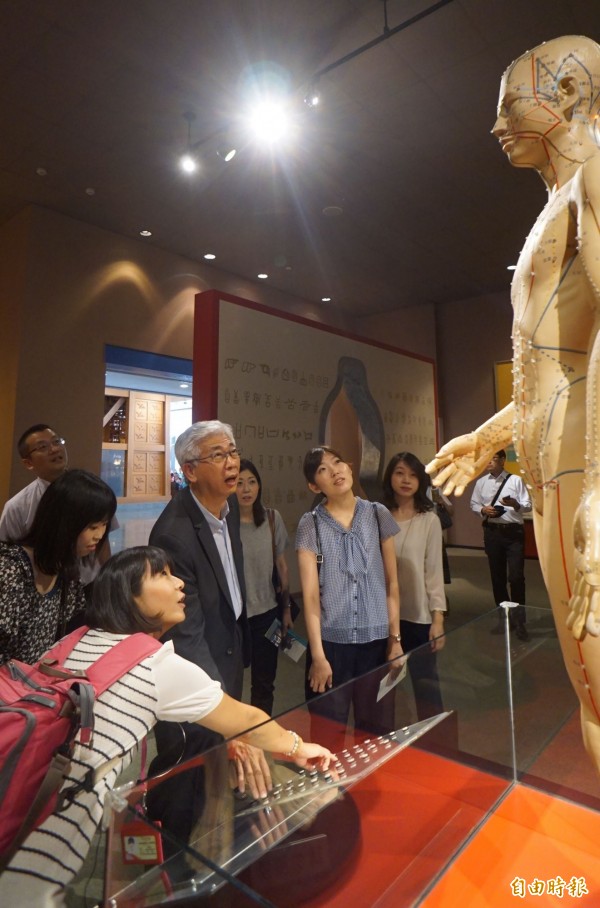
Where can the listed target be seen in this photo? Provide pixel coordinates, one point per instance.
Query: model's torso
(553, 323)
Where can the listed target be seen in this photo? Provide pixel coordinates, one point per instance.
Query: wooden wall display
(142, 456)
(286, 384)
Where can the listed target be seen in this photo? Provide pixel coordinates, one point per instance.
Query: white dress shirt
(514, 487)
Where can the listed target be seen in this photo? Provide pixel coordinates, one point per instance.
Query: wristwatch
(396, 637)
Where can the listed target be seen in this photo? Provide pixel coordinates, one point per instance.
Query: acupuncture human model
(548, 120)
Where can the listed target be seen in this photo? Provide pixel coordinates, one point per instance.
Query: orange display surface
(529, 847)
(416, 812)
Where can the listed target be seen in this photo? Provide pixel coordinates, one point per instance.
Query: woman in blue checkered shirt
(351, 600)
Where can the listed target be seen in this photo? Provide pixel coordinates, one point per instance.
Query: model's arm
(466, 456)
(584, 614)
(320, 675)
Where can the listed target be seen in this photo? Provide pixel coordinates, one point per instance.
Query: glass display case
(449, 736)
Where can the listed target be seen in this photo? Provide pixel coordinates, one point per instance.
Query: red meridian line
(533, 85)
(553, 168)
(578, 644)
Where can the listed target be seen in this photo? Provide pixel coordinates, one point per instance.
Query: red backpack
(43, 708)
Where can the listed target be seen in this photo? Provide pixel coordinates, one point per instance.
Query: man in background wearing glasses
(200, 530)
(44, 453)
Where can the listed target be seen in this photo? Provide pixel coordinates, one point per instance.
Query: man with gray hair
(200, 530)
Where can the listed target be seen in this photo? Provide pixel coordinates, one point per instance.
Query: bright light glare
(269, 122)
(188, 164)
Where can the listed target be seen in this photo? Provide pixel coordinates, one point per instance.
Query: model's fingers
(445, 474)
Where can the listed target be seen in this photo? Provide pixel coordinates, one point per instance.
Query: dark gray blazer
(210, 636)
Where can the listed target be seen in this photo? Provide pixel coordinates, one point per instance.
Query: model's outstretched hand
(458, 462)
(584, 605)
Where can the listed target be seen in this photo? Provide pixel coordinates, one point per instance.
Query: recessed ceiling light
(332, 211)
(210, 256)
(145, 233)
(90, 191)
(511, 267)
(262, 276)
(325, 299)
(188, 163)
(41, 171)
(184, 384)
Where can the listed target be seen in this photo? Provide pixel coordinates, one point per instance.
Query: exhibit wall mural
(286, 384)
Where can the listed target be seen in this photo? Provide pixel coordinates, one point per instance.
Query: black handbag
(282, 600)
(445, 518)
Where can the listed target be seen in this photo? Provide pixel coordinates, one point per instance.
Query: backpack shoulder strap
(120, 659)
(64, 647)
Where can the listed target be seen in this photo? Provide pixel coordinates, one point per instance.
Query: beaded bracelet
(295, 746)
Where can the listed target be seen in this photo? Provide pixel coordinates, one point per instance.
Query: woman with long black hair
(39, 575)
(264, 540)
(418, 549)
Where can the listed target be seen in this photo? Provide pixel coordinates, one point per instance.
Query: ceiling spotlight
(262, 276)
(312, 97)
(41, 171)
(184, 384)
(210, 256)
(145, 233)
(187, 162)
(269, 121)
(226, 151)
(325, 299)
(511, 267)
(90, 191)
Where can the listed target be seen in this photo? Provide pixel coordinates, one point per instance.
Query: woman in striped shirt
(134, 592)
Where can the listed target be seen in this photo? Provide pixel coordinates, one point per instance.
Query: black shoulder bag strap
(496, 497)
(319, 552)
(374, 503)
(271, 519)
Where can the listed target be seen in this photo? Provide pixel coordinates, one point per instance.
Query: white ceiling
(94, 91)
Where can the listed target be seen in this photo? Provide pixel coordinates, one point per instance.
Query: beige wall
(472, 335)
(74, 288)
(67, 289)
(13, 262)
(411, 329)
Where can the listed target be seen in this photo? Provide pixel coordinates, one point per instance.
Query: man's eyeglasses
(218, 457)
(44, 446)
